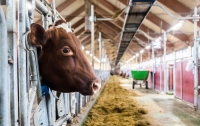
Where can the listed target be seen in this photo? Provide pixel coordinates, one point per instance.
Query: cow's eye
(66, 51)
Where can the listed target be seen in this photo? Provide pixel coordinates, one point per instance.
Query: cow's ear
(37, 35)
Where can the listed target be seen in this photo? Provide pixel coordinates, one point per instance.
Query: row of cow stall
(23, 99)
(179, 75)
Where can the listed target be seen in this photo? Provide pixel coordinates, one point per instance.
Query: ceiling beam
(75, 13)
(78, 23)
(165, 26)
(107, 26)
(151, 34)
(149, 31)
(106, 14)
(86, 43)
(108, 5)
(80, 31)
(83, 36)
(85, 39)
(177, 7)
(60, 8)
(64, 5)
(107, 30)
(110, 24)
(125, 2)
(141, 37)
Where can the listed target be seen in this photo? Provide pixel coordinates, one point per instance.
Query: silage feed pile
(115, 107)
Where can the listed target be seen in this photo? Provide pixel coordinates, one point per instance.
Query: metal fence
(22, 101)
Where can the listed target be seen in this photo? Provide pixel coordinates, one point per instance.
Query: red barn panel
(157, 78)
(170, 78)
(178, 80)
(199, 78)
(162, 77)
(188, 84)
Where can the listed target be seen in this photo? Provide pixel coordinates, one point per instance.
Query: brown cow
(62, 64)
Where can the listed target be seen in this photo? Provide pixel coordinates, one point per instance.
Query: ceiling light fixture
(147, 47)
(29, 6)
(83, 47)
(178, 25)
(87, 52)
(141, 51)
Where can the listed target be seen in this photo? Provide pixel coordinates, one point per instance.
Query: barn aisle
(115, 107)
(164, 110)
(120, 105)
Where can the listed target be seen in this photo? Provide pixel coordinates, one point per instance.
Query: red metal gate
(188, 84)
(170, 78)
(157, 78)
(178, 80)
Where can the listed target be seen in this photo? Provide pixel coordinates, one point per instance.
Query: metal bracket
(197, 39)
(40, 115)
(61, 106)
(10, 61)
(195, 64)
(33, 78)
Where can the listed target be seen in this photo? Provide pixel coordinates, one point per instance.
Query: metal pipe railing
(27, 59)
(12, 57)
(92, 19)
(42, 8)
(22, 64)
(195, 58)
(4, 84)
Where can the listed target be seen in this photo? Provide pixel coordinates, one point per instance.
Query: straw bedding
(115, 107)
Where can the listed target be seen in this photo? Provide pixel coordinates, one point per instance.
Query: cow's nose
(95, 87)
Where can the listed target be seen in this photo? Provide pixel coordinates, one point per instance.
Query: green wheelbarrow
(140, 77)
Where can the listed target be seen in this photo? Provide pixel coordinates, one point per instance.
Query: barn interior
(160, 36)
(121, 25)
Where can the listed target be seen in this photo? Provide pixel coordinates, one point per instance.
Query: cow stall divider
(195, 18)
(23, 100)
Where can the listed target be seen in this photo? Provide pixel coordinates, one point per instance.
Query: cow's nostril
(96, 87)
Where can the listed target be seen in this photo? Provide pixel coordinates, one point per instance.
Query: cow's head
(61, 61)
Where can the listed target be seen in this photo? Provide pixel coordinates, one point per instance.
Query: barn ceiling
(121, 35)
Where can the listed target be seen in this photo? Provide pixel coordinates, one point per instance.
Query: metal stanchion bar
(12, 57)
(22, 64)
(4, 84)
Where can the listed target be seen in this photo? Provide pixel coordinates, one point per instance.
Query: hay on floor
(115, 107)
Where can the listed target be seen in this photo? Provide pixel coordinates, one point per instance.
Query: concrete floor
(164, 110)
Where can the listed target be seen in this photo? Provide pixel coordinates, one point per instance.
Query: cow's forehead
(62, 36)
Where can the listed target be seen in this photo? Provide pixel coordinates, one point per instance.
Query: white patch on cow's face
(64, 26)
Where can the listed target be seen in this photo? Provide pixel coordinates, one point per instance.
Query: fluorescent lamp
(137, 54)
(177, 26)
(87, 52)
(148, 47)
(156, 44)
(83, 47)
(141, 51)
(128, 61)
(29, 6)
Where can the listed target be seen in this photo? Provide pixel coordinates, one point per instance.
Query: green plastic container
(140, 74)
